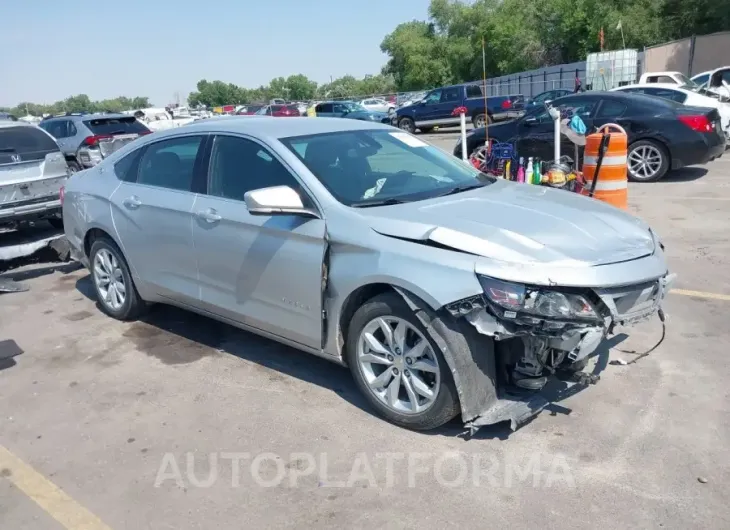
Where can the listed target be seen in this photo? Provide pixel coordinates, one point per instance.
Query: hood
(521, 224)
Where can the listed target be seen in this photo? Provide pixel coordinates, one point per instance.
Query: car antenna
(484, 88)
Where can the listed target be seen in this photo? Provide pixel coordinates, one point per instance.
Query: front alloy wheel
(398, 364)
(398, 367)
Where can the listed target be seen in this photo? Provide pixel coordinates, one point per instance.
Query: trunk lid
(115, 131)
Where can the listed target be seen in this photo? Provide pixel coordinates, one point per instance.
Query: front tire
(115, 289)
(648, 161)
(398, 367)
(407, 124)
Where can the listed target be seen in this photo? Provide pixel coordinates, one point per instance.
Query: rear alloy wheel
(647, 161)
(407, 124)
(481, 120)
(113, 283)
(397, 367)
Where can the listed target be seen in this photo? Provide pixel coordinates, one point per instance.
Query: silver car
(32, 172)
(443, 290)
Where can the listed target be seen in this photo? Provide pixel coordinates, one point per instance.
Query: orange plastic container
(612, 186)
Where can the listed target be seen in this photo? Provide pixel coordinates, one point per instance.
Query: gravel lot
(108, 411)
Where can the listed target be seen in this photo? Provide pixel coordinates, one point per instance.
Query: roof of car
(19, 123)
(94, 116)
(672, 86)
(267, 126)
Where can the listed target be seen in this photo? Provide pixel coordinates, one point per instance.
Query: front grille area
(632, 300)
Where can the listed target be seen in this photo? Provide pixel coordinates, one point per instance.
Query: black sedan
(663, 135)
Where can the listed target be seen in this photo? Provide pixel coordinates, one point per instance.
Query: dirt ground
(177, 421)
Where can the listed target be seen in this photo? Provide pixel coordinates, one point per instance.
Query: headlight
(517, 298)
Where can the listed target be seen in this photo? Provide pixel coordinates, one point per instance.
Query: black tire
(56, 222)
(487, 119)
(664, 164)
(446, 406)
(133, 305)
(73, 166)
(407, 124)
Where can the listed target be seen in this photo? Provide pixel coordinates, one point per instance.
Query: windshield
(377, 167)
(701, 90)
(126, 125)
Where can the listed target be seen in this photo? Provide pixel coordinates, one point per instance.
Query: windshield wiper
(459, 189)
(377, 202)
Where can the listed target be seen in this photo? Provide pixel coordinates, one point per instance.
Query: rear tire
(480, 120)
(407, 124)
(443, 407)
(648, 161)
(109, 269)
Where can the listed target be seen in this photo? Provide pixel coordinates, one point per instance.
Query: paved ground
(97, 417)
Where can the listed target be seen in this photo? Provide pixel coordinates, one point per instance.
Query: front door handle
(209, 215)
(132, 202)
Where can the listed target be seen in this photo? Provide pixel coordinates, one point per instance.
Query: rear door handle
(132, 202)
(209, 215)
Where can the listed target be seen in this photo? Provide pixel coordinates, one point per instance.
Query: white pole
(463, 136)
(556, 128)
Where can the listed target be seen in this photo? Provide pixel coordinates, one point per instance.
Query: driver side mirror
(276, 200)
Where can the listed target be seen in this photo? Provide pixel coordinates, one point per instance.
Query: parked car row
(663, 135)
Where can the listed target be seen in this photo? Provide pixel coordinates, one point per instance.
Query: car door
(339, 110)
(451, 98)
(151, 210)
(427, 110)
(536, 133)
(59, 129)
(262, 271)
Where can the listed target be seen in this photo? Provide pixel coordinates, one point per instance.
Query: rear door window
(611, 109)
(451, 95)
(674, 95)
(126, 168)
(473, 91)
(126, 125)
(24, 143)
(170, 163)
(324, 107)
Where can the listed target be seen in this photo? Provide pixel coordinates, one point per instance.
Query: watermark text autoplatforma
(452, 469)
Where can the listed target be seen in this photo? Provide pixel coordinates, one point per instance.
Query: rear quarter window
(26, 143)
(126, 125)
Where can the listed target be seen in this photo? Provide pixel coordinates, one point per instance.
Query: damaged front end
(543, 331)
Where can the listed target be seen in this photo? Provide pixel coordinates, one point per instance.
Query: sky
(52, 49)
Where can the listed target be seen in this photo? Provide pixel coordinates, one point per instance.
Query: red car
(278, 110)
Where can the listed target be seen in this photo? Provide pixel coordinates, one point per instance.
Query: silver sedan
(443, 290)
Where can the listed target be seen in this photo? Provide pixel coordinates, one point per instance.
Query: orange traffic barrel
(612, 185)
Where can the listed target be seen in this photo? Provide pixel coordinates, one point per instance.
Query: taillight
(61, 193)
(506, 104)
(94, 140)
(697, 123)
(142, 133)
